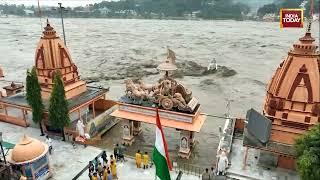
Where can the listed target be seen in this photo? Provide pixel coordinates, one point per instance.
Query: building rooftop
(91, 93)
(253, 169)
(250, 141)
(66, 161)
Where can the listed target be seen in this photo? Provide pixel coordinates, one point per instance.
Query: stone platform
(67, 161)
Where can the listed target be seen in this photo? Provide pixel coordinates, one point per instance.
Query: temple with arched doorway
(52, 55)
(291, 108)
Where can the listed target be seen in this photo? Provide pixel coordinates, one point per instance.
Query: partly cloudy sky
(70, 3)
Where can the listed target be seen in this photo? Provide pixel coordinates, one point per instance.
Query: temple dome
(293, 94)
(28, 149)
(52, 55)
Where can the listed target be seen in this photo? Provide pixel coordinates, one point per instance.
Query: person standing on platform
(116, 152)
(113, 168)
(95, 163)
(104, 158)
(206, 175)
(100, 170)
(121, 150)
(109, 175)
(49, 143)
(91, 167)
(138, 159)
(95, 176)
(145, 160)
(105, 173)
(112, 159)
(212, 173)
(90, 174)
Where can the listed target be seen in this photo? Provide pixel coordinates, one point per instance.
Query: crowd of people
(102, 168)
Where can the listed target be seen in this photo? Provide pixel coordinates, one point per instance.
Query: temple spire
(49, 32)
(307, 38)
(311, 17)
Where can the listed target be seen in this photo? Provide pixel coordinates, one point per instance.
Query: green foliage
(291, 4)
(13, 9)
(34, 95)
(308, 154)
(58, 109)
(267, 9)
(209, 9)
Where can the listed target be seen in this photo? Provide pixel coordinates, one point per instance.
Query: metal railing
(85, 168)
(188, 169)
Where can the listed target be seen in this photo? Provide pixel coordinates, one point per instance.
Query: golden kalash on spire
(51, 56)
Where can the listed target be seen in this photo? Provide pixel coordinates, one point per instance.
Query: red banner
(291, 18)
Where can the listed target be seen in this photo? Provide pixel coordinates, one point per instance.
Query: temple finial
(311, 17)
(309, 26)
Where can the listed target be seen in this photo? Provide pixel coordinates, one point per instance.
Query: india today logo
(291, 18)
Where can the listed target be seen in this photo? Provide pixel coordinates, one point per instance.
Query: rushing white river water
(104, 48)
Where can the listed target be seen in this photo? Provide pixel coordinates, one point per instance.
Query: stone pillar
(5, 110)
(191, 139)
(186, 143)
(127, 137)
(93, 110)
(136, 128)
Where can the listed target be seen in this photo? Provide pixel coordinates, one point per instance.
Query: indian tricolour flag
(160, 153)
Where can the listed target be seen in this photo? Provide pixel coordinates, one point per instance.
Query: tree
(58, 109)
(308, 154)
(34, 97)
(267, 9)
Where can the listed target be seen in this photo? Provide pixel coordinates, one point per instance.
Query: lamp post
(4, 157)
(61, 15)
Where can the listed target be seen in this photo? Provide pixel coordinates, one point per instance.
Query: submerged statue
(166, 93)
(80, 128)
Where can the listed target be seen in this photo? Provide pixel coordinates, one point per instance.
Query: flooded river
(105, 50)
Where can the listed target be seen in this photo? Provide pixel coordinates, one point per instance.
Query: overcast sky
(70, 3)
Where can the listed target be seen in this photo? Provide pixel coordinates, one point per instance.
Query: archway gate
(187, 124)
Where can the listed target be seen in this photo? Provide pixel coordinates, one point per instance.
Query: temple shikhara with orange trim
(291, 108)
(293, 95)
(85, 102)
(51, 55)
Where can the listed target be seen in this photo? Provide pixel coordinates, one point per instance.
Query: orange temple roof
(195, 126)
(52, 55)
(293, 94)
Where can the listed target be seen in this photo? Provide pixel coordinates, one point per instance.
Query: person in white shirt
(49, 143)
